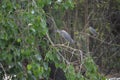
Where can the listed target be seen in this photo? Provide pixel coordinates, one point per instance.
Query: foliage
(22, 44)
(23, 27)
(92, 70)
(25, 51)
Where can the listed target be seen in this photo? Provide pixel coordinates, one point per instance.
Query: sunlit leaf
(29, 67)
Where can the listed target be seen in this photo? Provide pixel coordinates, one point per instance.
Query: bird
(92, 31)
(65, 35)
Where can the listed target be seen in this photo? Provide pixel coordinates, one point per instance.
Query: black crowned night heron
(92, 31)
(65, 35)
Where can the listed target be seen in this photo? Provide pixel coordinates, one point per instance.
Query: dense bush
(25, 50)
(23, 27)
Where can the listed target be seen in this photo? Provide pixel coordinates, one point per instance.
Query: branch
(57, 49)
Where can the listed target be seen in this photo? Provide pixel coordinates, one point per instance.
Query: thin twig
(2, 68)
(57, 49)
(102, 41)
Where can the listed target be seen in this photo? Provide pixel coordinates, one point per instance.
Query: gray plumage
(92, 31)
(65, 35)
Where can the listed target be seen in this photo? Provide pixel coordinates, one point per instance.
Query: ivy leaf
(29, 67)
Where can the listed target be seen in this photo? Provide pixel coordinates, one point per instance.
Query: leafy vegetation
(28, 44)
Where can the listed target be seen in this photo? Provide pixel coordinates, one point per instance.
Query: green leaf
(45, 65)
(18, 40)
(29, 67)
(38, 57)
